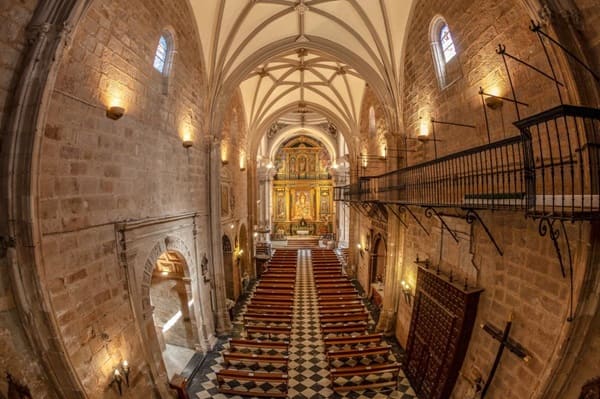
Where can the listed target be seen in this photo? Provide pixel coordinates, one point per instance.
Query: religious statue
(302, 207)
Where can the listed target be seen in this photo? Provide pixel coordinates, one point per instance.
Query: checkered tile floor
(307, 368)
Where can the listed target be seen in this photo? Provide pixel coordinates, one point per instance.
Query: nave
(319, 344)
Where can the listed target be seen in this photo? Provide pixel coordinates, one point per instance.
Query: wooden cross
(505, 342)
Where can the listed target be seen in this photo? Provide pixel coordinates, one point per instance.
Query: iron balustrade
(563, 163)
(551, 169)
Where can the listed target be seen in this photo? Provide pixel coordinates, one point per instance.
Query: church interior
(300, 199)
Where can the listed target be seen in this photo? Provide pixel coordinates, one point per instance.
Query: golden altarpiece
(303, 189)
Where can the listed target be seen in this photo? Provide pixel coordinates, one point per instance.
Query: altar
(302, 232)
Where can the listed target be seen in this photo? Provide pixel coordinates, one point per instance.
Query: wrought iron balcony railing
(551, 169)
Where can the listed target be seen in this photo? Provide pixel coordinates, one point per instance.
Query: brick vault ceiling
(257, 44)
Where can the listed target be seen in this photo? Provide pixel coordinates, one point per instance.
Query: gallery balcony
(552, 169)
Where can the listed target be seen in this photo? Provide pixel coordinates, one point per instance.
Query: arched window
(160, 57)
(444, 52)
(163, 57)
(447, 44)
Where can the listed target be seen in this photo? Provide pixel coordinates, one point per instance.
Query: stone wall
(526, 281)
(16, 354)
(234, 179)
(94, 172)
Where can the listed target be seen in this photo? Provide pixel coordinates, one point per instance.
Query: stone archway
(145, 318)
(174, 319)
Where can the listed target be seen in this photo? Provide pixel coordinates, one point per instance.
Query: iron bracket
(547, 228)
(398, 216)
(471, 217)
(414, 217)
(429, 212)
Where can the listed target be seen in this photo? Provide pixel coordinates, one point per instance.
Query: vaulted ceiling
(309, 53)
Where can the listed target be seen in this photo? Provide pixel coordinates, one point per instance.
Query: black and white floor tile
(307, 368)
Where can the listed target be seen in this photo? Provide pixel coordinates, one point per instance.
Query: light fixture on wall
(115, 112)
(186, 137)
(406, 291)
(117, 376)
(361, 250)
(492, 100)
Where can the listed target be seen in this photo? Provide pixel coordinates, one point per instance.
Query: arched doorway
(378, 269)
(172, 311)
(228, 268)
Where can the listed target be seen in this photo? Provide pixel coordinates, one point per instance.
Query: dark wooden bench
(266, 318)
(278, 380)
(287, 310)
(253, 358)
(237, 343)
(260, 301)
(269, 331)
(325, 310)
(275, 291)
(272, 284)
(344, 318)
(337, 298)
(335, 302)
(364, 371)
(364, 339)
(368, 351)
(273, 298)
(347, 328)
(336, 291)
(335, 284)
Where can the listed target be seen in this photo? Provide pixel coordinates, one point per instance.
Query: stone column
(199, 291)
(223, 323)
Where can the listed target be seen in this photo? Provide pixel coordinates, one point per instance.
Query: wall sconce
(406, 291)
(493, 101)
(187, 143)
(361, 250)
(117, 378)
(115, 112)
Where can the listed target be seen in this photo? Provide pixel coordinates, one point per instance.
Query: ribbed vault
(260, 46)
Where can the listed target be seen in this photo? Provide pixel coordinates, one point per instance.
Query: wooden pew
(344, 318)
(368, 351)
(325, 310)
(266, 318)
(269, 331)
(347, 328)
(334, 284)
(285, 310)
(278, 380)
(275, 285)
(275, 291)
(336, 291)
(253, 358)
(273, 297)
(364, 339)
(328, 303)
(237, 343)
(337, 298)
(365, 371)
(262, 301)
